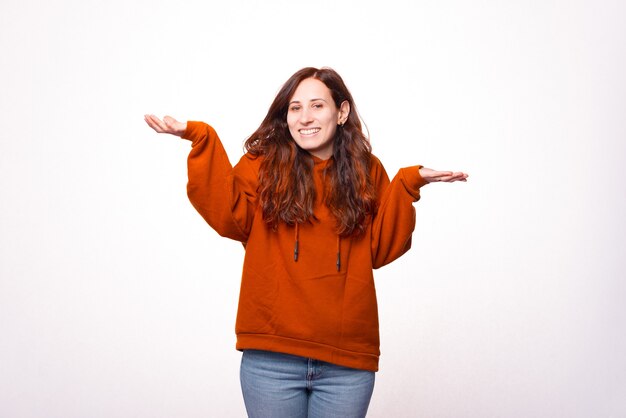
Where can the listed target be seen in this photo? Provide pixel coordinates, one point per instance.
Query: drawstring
(296, 249)
(338, 253)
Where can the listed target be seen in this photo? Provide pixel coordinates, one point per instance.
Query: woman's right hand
(168, 125)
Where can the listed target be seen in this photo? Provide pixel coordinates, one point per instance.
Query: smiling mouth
(309, 131)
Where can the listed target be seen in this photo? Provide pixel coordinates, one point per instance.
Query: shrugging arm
(394, 222)
(225, 199)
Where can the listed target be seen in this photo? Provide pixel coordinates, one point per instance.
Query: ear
(344, 112)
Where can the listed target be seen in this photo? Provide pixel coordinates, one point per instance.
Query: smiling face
(313, 117)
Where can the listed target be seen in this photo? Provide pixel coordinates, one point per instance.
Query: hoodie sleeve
(394, 222)
(225, 197)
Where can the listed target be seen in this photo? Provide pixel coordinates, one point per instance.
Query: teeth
(309, 131)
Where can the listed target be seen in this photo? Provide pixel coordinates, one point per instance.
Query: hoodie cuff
(412, 180)
(195, 131)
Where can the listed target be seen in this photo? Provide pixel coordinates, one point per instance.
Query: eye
(318, 105)
(294, 108)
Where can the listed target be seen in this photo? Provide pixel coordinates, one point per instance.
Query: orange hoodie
(320, 303)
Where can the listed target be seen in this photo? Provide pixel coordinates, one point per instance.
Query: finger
(169, 121)
(455, 177)
(150, 120)
(450, 179)
(157, 124)
(445, 177)
(436, 176)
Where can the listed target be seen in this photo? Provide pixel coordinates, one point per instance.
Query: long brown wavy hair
(286, 188)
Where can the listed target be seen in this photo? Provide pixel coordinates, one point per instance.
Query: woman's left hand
(434, 176)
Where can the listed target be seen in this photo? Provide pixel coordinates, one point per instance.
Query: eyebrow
(312, 100)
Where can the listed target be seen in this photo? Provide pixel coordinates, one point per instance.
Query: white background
(117, 300)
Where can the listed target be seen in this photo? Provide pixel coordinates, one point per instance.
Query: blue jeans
(276, 385)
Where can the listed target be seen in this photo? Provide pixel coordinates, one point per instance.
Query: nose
(306, 116)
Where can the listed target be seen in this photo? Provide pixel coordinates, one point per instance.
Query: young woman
(316, 213)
